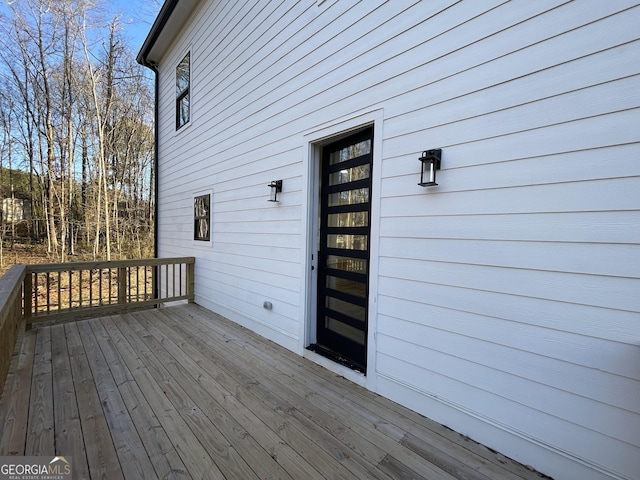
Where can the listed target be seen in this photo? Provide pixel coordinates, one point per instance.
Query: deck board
(182, 393)
(224, 442)
(309, 408)
(194, 455)
(162, 454)
(310, 398)
(245, 407)
(102, 458)
(40, 436)
(14, 405)
(68, 434)
(130, 450)
(223, 416)
(324, 452)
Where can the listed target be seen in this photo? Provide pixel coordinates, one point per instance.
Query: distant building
(15, 210)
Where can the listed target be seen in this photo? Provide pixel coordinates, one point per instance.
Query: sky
(137, 15)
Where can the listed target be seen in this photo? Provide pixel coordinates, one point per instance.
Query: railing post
(27, 298)
(122, 286)
(155, 282)
(191, 281)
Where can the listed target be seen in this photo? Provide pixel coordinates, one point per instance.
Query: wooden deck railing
(59, 291)
(11, 319)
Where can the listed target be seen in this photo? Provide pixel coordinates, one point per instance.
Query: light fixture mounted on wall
(430, 162)
(276, 187)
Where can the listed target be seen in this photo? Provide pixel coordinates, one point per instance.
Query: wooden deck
(181, 392)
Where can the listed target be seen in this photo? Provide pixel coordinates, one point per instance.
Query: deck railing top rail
(95, 265)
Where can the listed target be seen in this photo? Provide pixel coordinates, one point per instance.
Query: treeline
(76, 117)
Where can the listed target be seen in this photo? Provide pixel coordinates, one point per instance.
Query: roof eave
(167, 24)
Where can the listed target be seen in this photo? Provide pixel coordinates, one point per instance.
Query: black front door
(343, 257)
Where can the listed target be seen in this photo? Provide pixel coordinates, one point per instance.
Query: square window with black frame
(202, 218)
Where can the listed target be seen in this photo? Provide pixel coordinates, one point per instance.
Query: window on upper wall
(202, 218)
(183, 84)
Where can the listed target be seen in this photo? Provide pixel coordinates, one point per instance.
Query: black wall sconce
(276, 187)
(430, 162)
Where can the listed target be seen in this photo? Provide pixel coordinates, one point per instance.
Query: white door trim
(312, 143)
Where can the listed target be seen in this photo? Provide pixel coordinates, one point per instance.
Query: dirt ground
(21, 253)
(80, 288)
(31, 253)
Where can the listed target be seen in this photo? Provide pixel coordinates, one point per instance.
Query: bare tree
(84, 126)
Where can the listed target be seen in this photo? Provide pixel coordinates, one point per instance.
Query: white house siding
(507, 299)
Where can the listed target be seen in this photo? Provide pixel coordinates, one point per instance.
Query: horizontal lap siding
(510, 290)
(256, 244)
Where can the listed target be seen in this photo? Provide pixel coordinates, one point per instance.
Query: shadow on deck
(181, 392)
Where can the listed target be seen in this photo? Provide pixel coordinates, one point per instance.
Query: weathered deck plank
(101, 453)
(308, 405)
(14, 405)
(201, 413)
(132, 455)
(195, 457)
(183, 393)
(325, 452)
(162, 454)
(40, 437)
(68, 431)
(212, 398)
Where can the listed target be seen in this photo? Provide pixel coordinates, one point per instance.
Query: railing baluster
(173, 279)
(76, 276)
(157, 281)
(48, 293)
(59, 300)
(28, 294)
(33, 292)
